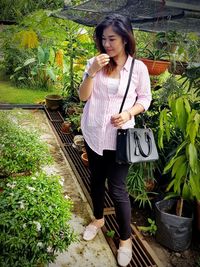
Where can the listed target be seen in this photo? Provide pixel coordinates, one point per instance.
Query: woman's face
(113, 43)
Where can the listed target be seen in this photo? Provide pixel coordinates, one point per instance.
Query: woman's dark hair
(120, 25)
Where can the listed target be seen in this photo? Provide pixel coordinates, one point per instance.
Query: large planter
(53, 102)
(155, 67)
(173, 232)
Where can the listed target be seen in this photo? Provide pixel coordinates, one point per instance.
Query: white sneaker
(124, 256)
(90, 232)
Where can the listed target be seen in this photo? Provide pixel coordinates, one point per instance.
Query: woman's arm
(86, 86)
(119, 119)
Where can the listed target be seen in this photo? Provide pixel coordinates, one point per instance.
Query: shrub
(16, 10)
(34, 219)
(20, 149)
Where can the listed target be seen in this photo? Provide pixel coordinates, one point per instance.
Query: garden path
(96, 253)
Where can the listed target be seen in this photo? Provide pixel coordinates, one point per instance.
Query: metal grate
(143, 256)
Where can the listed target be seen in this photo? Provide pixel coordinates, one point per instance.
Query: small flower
(30, 188)
(34, 178)
(24, 225)
(11, 185)
(61, 182)
(67, 197)
(39, 244)
(38, 225)
(49, 249)
(22, 206)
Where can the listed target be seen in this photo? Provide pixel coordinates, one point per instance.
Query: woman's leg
(117, 187)
(98, 177)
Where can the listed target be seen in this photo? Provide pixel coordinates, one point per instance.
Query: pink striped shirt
(96, 127)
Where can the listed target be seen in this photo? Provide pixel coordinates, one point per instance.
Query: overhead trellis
(148, 15)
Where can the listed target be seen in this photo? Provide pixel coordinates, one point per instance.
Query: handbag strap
(128, 85)
(149, 143)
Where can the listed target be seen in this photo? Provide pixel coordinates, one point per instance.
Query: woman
(103, 88)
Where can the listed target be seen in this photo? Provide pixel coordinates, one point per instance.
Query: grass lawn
(10, 94)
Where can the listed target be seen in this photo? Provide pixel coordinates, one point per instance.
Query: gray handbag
(135, 144)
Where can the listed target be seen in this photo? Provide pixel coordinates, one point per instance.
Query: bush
(34, 219)
(16, 10)
(20, 150)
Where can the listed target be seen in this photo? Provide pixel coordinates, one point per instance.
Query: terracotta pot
(53, 102)
(84, 158)
(155, 67)
(66, 127)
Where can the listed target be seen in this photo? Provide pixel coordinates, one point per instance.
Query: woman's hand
(99, 62)
(118, 120)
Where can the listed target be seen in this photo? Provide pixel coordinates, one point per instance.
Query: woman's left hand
(118, 120)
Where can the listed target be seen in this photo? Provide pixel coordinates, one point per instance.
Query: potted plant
(53, 101)
(141, 182)
(156, 60)
(180, 121)
(66, 127)
(169, 40)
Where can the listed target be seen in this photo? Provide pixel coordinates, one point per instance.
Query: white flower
(34, 178)
(67, 197)
(38, 225)
(24, 225)
(30, 188)
(61, 181)
(22, 206)
(49, 249)
(39, 244)
(11, 185)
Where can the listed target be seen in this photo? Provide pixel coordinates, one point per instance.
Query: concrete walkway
(95, 253)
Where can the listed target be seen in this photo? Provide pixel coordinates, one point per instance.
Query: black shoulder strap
(129, 80)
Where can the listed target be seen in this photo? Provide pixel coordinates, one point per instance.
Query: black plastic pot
(173, 232)
(53, 102)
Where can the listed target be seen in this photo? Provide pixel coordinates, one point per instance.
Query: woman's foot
(124, 253)
(92, 229)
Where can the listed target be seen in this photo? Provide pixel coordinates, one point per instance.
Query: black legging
(103, 167)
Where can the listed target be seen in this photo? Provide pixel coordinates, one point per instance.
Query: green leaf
(41, 55)
(193, 125)
(29, 61)
(193, 157)
(180, 178)
(186, 192)
(179, 161)
(51, 74)
(195, 186)
(181, 114)
(18, 68)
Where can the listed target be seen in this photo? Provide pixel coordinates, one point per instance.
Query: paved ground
(96, 253)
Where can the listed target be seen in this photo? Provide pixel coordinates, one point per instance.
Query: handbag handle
(129, 80)
(149, 142)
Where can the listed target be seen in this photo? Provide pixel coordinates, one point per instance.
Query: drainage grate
(143, 255)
